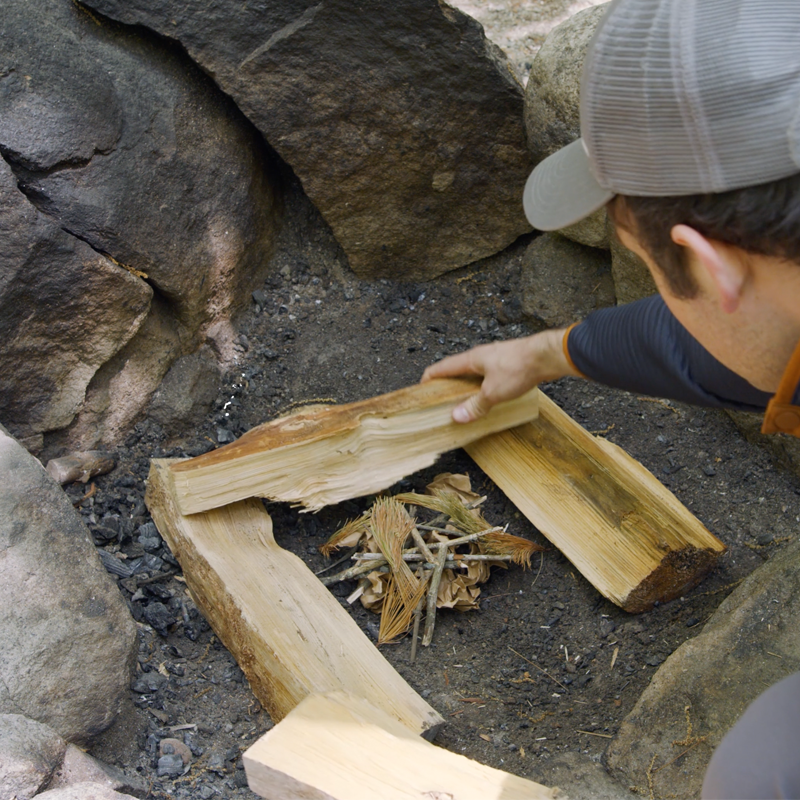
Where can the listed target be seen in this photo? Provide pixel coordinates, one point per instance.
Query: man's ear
(725, 273)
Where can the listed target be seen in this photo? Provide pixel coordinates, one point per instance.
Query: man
(690, 121)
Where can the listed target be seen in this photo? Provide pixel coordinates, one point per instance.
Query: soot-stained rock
(64, 310)
(563, 281)
(68, 639)
(402, 121)
(131, 151)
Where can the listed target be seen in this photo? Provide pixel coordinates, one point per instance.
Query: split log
(628, 535)
(326, 454)
(335, 747)
(287, 632)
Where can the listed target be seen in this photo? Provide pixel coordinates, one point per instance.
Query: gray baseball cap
(678, 97)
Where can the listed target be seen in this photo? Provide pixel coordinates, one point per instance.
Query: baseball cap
(678, 97)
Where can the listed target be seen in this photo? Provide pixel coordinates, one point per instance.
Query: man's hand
(509, 369)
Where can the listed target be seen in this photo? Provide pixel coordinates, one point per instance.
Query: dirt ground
(530, 675)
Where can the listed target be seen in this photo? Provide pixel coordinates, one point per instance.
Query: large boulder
(751, 642)
(132, 175)
(68, 638)
(64, 310)
(552, 95)
(552, 105)
(402, 121)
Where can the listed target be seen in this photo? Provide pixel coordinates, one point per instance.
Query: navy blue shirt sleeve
(641, 347)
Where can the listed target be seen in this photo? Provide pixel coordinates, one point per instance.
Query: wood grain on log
(627, 534)
(289, 635)
(335, 747)
(324, 455)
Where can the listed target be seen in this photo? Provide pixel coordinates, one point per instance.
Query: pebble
(171, 746)
(170, 765)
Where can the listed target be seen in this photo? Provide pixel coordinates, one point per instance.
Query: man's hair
(763, 220)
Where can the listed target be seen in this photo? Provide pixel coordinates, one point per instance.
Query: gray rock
(402, 121)
(79, 767)
(563, 281)
(632, 279)
(121, 146)
(68, 639)
(29, 754)
(593, 231)
(711, 679)
(552, 106)
(552, 96)
(84, 791)
(187, 391)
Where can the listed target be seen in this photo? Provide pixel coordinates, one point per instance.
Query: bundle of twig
(449, 577)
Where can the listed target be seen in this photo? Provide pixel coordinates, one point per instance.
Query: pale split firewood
(289, 635)
(316, 457)
(629, 536)
(339, 747)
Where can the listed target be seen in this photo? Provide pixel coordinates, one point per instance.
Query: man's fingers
(451, 367)
(472, 409)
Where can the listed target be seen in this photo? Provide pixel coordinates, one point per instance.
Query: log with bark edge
(287, 632)
(323, 455)
(336, 747)
(628, 535)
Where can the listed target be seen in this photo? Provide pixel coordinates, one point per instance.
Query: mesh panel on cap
(692, 96)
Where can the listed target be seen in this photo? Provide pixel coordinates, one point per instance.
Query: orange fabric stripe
(566, 350)
(781, 416)
(790, 379)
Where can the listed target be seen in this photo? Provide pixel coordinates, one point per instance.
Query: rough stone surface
(402, 121)
(632, 279)
(552, 105)
(563, 281)
(593, 231)
(187, 391)
(29, 753)
(552, 96)
(68, 639)
(78, 767)
(750, 643)
(122, 147)
(84, 791)
(64, 311)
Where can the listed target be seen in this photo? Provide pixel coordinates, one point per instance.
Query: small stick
(538, 667)
(471, 537)
(432, 559)
(351, 572)
(591, 733)
(420, 542)
(417, 617)
(433, 592)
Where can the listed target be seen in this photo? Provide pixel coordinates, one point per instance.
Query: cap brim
(562, 190)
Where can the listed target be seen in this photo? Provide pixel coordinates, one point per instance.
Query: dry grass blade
(348, 535)
(391, 525)
(505, 544)
(465, 519)
(415, 499)
(398, 613)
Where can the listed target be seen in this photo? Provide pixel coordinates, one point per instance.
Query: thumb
(471, 409)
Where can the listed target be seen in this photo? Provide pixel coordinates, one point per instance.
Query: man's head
(689, 101)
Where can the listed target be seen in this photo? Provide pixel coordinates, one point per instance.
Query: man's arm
(639, 347)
